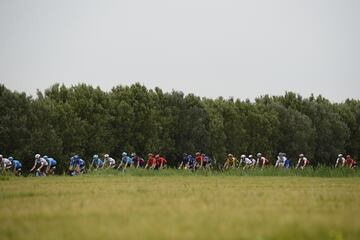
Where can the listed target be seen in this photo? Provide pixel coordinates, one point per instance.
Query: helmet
(243, 156)
(1, 156)
(203, 154)
(230, 155)
(150, 154)
(95, 156)
(258, 154)
(46, 157)
(301, 155)
(197, 153)
(106, 155)
(348, 156)
(124, 154)
(76, 157)
(10, 158)
(157, 156)
(37, 155)
(133, 154)
(340, 155)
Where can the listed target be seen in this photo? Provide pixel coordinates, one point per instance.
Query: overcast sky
(239, 48)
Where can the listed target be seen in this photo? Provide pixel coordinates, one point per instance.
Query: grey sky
(211, 48)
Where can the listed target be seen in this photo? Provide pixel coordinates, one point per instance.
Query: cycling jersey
(52, 162)
(151, 161)
(6, 163)
(127, 159)
(262, 160)
(246, 160)
(41, 161)
(160, 161)
(111, 161)
(17, 164)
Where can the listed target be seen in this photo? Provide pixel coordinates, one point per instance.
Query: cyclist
(51, 165)
(261, 161)
(109, 161)
(248, 162)
(41, 170)
(5, 163)
(280, 162)
(199, 160)
(349, 162)
(302, 162)
(184, 162)
(206, 161)
(16, 166)
(340, 160)
(126, 161)
(151, 162)
(96, 162)
(137, 160)
(161, 162)
(230, 161)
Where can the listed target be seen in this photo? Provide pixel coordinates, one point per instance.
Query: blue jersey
(207, 159)
(97, 162)
(100, 162)
(17, 164)
(191, 160)
(127, 159)
(94, 162)
(52, 162)
(287, 163)
(81, 163)
(185, 159)
(74, 161)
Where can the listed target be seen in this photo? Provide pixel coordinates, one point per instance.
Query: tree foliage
(84, 120)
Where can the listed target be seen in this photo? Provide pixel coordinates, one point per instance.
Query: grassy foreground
(179, 207)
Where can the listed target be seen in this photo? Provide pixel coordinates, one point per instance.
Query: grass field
(179, 207)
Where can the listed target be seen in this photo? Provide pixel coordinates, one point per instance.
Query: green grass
(179, 205)
(269, 171)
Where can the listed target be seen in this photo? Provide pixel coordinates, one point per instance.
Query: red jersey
(350, 162)
(151, 161)
(160, 161)
(199, 159)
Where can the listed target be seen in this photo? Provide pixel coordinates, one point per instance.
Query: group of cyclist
(345, 162)
(199, 161)
(11, 164)
(45, 165)
(245, 161)
(281, 161)
(77, 165)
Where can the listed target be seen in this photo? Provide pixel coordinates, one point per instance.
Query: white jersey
(340, 159)
(6, 162)
(246, 160)
(281, 159)
(41, 161)
(280, 162)
(111, 161)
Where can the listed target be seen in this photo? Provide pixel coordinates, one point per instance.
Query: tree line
(63, 121)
